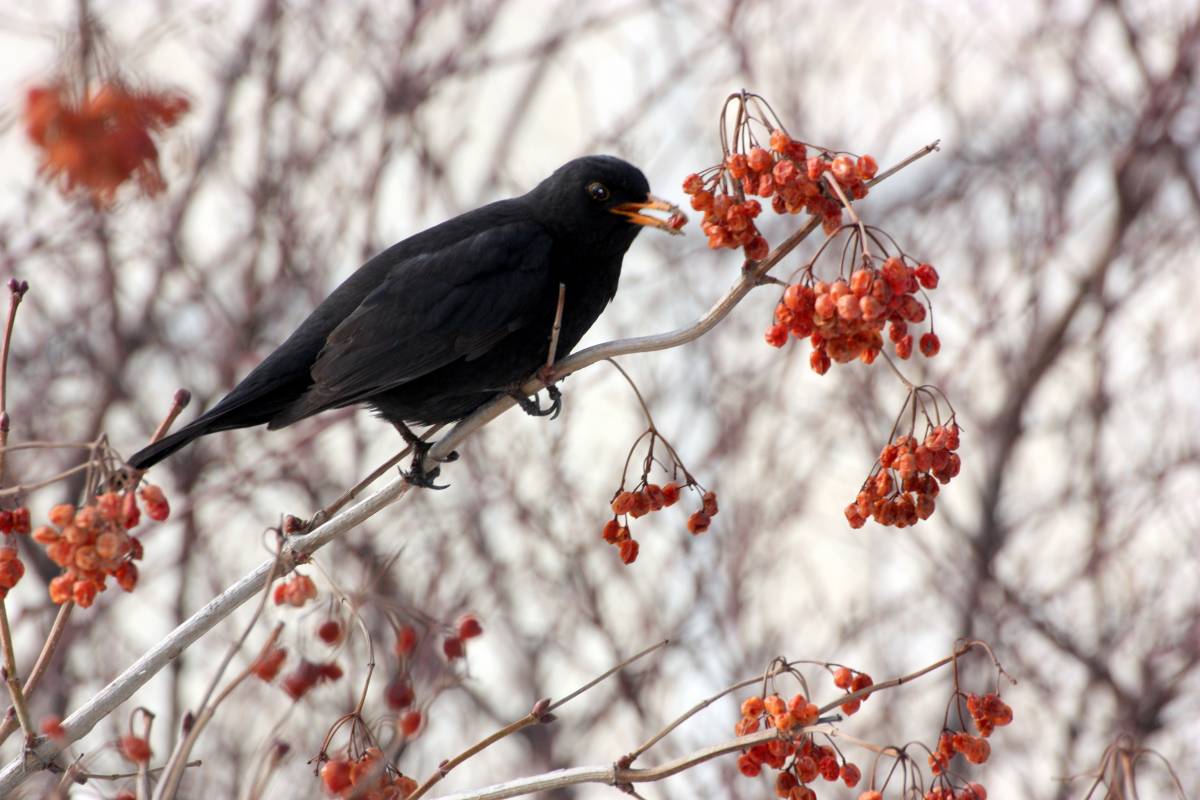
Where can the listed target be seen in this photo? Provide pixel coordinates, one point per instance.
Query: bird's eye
(597, 191)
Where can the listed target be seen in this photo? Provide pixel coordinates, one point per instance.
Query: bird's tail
(149, 456)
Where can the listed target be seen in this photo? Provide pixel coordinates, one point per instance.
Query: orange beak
(633, 211)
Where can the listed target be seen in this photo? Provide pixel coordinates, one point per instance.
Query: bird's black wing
(433, 308)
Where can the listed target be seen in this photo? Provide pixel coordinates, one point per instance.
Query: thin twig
(17, 290)
(539, 714)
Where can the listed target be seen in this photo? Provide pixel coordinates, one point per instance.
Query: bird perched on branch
(439, 324)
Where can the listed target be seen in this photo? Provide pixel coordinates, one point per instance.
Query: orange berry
(779, 140)
(774, 704)
(842, 678)
(628, 551)
(777, 335)
(336, 776)
(759, 159)
(698, 522)
(61, 515)
(752, 706)
(126, 576)
(623, 503)
(84, 592)
(61, 588)
(748, 766)
(819, 361)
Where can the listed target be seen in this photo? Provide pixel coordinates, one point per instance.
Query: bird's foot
(533, 408)
(424, 478)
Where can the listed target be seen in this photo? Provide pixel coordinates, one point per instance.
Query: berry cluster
(844, 320)
(366, 777)
(295, 592)
(99, 143)
(798, 758)
(901, 489)
(851, 681)
(648, 498)
(786, 174)
(93, 542)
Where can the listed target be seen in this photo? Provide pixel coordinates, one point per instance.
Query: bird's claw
(532, 407)
(419, 476)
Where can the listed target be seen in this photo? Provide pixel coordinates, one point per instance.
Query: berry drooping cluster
(844, 320)
(784, 172)
(799, 759)
(99, 142)
(646, 499)
(367, 776)
(903, 484)
(93, 543)
(988, 712)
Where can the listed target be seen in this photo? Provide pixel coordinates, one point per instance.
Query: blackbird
(442, 322)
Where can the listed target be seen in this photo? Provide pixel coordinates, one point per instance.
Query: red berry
(930, 344)
(777, 335)
(330, 631)
(927, 275)
(452, 647)
(135, 749)
(469, 627)
(399, 693)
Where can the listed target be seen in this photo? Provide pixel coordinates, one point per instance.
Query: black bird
(437, 325)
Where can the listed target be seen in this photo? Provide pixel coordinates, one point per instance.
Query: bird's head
(601, 201)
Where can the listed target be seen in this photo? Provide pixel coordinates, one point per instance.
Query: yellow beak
(633, 211)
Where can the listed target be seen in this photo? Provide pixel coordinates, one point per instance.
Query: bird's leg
(545, 374)
(418, 475)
